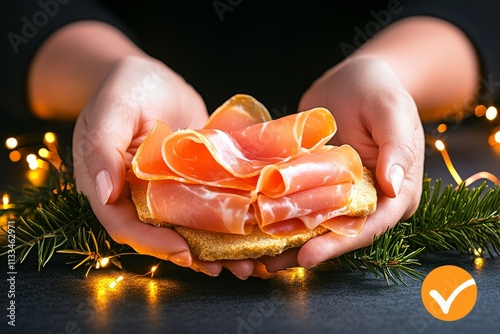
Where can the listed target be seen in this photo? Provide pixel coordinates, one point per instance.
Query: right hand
(136, 92)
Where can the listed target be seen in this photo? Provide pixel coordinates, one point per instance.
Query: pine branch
(59, 219)
(389, 256)
(462, 219)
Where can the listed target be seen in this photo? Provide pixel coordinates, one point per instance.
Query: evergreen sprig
(57, 218)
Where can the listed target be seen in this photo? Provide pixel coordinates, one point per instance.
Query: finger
(261, 271)
(123, 226)
(332, 245)
(287, 259)
(99, 146)
(399, 138)
(210, 268)
(240, 268)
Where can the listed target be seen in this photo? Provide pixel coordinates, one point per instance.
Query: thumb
(399, 138)
(100, 142)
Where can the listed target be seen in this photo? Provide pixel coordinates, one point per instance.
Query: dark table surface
(177, 300)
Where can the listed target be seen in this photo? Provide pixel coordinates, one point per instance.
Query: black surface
(178, 300)
(182, 301)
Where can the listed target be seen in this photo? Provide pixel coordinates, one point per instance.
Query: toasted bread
(210, 246)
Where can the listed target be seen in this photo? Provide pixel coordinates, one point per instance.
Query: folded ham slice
(244, 171)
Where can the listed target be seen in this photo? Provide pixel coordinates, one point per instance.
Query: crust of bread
(211, 246)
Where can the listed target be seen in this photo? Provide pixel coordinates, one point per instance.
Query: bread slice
(211, 246)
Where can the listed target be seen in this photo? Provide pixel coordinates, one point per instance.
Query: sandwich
(245, 186)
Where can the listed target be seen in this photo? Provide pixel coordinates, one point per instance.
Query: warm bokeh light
(31, 158)
(49, 137)
(43, 152)
(5, 199)
(15, 156)
(491, 113)
(11, 143)
(480, 110)
(439, 145)
(104, 262)
(497, 136)
(442, 128)
(479, 262)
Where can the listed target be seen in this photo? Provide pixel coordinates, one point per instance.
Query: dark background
(261, 49)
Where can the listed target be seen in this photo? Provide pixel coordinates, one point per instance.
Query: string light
(491, 113)
(11, 143)
(104, 261)
(6, 202)
(15, 156)
(442, 128)
(49, 137)
(446, 157)
(480, 110)
(43, 152)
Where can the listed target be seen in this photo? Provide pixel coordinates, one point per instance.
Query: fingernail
(182, 259)
(104, 186)
(396, 176)
(238, 276)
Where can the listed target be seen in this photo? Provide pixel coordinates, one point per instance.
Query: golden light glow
(49, 137)
(11, 143)
(43, 152)
(15, 156)
(478, 251)
(480, 176)
(479, 262)
(113, 284)
(480, 110)
(104, 261)
(491, 113)
(31, 158)
(496, 136)
(33, 165)
(439, 145)
(442, 128)
(444, 153)
(5, 199)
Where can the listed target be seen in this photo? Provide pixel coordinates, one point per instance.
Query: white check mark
(446, 304)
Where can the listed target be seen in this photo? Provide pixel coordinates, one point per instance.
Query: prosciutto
(243, 170)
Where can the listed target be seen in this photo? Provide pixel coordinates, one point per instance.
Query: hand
(136, 92)
(378, 117)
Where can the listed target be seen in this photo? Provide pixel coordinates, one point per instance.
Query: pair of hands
(374, 113)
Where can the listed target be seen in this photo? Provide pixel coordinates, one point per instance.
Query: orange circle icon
(449, 293)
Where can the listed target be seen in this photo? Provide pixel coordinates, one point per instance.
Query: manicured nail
(182, 259)
(104, 186)
(396, 176)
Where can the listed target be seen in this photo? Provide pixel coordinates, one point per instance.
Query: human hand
(136, 92)
(378, 117)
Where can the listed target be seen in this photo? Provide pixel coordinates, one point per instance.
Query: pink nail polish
(182, 259)
(104, 186)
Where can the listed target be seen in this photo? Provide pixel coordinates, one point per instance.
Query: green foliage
(57, 218)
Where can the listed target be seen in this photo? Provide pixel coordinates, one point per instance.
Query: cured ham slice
(329, 165)
(201, 207)
(244, 171)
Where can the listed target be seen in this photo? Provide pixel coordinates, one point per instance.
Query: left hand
(378, 117)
